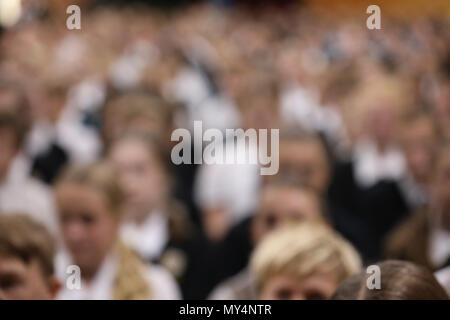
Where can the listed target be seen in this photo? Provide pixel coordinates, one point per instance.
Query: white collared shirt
(439, 246)
(372, 166)
(148, 238)
(162, 284)
(443, 277)
(21, 194)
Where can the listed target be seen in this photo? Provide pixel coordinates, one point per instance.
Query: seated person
(424, 238)
(307, 261)
(152, 219)
(89, 201)
(282, 201)
(18, 191)
(26, 259)
(155, 225)
(443, 277)
(419, 139)
(303, 160)
(400, 280)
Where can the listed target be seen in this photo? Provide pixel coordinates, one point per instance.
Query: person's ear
(54, 286)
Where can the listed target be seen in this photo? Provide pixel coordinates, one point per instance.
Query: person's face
(141, 176)
(313, 287)
(88, 225)
(441, 188)
(282, 205)
(24, 281)
(8, 101)
(307, 161)
(442, 106)
(8, 149)
(54, 102)
(418, 147)
(381, 123)
(259, 113)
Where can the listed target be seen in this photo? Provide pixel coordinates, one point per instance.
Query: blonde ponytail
(130, 283)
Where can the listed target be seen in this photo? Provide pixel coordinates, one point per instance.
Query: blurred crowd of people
(86, 178)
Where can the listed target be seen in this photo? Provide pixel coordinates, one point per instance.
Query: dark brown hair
(13, 124)
(26, 239)
(400, 280)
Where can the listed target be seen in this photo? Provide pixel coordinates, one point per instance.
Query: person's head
(440, 186)
(89, 201)
(136, 111)
(441, 105)
(13, 98)
(26, 259)
(306, 261)
(258, 101)
(144, 178)
(304, 156)
(54, 90)
(373, 110)
(283, 201)
(419, 139)
(11, 136)
(399, 280)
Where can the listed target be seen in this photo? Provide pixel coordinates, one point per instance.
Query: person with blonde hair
(89, 201)
(283, 200)
(307, 261)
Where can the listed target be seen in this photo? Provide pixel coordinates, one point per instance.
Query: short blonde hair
(304, 249)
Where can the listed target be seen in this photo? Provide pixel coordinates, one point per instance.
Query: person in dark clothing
(282, 201)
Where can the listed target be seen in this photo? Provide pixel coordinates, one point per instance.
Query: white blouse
(162, 284)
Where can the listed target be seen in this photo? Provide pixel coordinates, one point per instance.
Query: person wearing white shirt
(144, 180)
(89, 200)
(18, 191)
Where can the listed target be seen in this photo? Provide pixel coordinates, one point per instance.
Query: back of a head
(400, 280)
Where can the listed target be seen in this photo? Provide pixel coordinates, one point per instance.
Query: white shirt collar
(439, 246)
(100, 287)
(372, 166)
(148, 238)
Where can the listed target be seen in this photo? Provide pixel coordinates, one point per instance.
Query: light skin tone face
(141, 177)
(305, 160)
(442, 107)
(441, 189)
(281, 205)
(381, 123)
(313, 287)
(25, 281)
(418, 143)
(8, 99)
(88, 225)
(8, 150)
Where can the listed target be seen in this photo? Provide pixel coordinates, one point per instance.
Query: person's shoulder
(162, 283)
(29, 186)
(238, 287)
